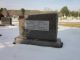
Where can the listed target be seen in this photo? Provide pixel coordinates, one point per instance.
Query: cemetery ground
(70, 36)
(71, 24)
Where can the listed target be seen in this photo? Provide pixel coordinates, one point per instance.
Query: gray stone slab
(42, 26)
(6, 21)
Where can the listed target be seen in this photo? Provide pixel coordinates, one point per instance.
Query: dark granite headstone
(6, 21)
(42, 26)
(41, 30)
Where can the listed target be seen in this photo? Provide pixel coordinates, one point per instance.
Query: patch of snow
(1, 45)
(73, 21)
(6, 44)
(69, 51)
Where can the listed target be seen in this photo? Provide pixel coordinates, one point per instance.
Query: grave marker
(41, 29)
(6, 21)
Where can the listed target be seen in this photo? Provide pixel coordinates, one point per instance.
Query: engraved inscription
(37, 25)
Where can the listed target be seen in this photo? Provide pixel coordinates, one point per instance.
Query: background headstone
(6, 21)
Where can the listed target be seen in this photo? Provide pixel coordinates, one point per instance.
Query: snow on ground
(71, 21)
(70, 50)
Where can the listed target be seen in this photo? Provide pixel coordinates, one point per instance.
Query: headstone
(6, 21)
(42, 26)
(41, 30)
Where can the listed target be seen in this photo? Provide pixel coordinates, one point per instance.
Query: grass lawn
(70, 24)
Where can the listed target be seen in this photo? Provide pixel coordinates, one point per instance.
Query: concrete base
(23, 40)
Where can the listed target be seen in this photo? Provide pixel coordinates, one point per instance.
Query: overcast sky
(40, 4)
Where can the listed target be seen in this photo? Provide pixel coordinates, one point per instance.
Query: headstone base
(24, 40)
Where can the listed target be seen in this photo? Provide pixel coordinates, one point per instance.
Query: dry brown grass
(70, 24)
